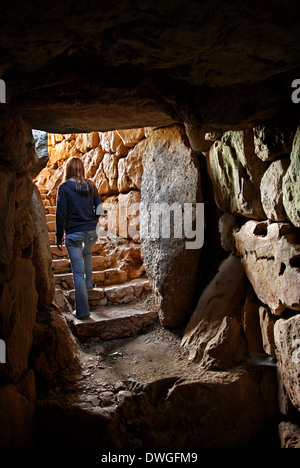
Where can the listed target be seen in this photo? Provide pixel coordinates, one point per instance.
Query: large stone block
(134, 164)
(92, 160)
(110, 169)
(210, 410)
(270, 254)
(271, 190)
(131, 137)
(197, 139)
(289, 435)
(111, 142)
(291, 183)
(218, 313)
(236, 172)
(41, 151)
(86, 141)
(171, 176)
(63, 150)
(124, 182)
(287, 341)
(273, 140)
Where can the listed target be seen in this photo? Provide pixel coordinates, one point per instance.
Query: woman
(77, 203)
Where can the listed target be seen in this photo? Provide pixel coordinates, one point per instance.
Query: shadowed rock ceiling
(81, 66)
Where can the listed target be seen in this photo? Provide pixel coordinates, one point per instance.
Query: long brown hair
(74, 168)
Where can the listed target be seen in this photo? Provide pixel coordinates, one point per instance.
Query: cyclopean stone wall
(251, 309)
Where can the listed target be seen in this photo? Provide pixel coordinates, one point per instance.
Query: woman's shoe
(94, 286)
(81, 318)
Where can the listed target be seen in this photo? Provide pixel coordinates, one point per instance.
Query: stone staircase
(119, 305)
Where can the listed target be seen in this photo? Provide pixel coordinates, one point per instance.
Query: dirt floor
(110, 368)
(153, 354)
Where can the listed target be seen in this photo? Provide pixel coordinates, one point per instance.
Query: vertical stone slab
(236, 172)
(41, 258)
(271, 190)
(171, 178)
(287, 342)
(18, 296)
(291, 183)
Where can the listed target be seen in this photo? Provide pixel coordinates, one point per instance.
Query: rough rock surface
(287, 341)
(216, 318)
(271, 190)
(143, 392)
(18, 295)
(270, 255)
(42, 258)
(236, 173)
(119, 64)
(54, 353)
(267, 322)
(227, 222)
(291, 183)
(17, 406)
(197, 139)
(171, 176)
(289, 435)
(273, 140)
(41, 150)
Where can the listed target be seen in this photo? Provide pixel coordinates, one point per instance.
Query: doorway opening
(123, 341)
(122, 296)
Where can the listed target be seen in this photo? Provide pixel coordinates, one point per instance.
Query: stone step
(50, 210)
(115, 294)
(51, 238)
(111, 322)
(50, 217)
(63, 265)
(100, 278)
(51, 225)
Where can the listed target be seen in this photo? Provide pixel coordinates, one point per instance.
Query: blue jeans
(79, 246)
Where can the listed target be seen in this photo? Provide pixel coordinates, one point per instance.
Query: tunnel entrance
(137, 389)
(121, 303)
